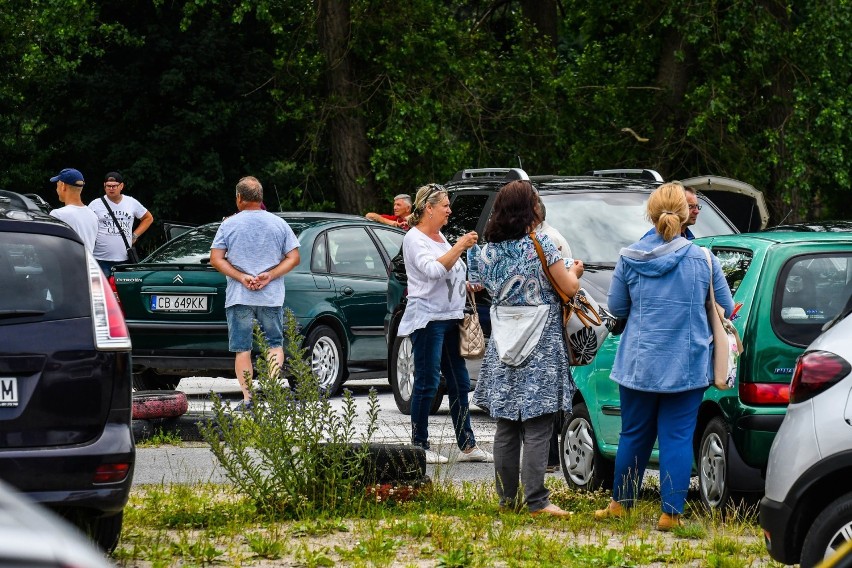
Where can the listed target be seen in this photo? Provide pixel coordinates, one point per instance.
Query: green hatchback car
(174, 302)
(790, 284)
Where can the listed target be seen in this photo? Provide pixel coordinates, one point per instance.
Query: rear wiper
(20, 313)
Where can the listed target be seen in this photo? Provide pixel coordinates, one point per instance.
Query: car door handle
(347, 291)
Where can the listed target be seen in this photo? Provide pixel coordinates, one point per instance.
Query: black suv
(598, 213)
(65, 386)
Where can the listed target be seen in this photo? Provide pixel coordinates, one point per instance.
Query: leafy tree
(343, 104)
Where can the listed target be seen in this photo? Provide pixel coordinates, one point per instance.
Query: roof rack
(652, 175)
(508, 174)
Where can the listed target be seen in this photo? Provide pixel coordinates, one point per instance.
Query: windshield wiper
(599, 266)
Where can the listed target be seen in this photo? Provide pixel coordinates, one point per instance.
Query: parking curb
(392, 463)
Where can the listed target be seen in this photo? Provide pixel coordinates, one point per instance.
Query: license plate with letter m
(8, 391)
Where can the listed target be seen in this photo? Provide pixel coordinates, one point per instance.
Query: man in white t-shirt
(69, 188)
(110, 247)
(254, 249)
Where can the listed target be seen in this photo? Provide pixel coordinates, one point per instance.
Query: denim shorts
(241, 320)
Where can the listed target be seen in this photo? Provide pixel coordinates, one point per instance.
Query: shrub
(293, 454)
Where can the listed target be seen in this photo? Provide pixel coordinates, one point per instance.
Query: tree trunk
(673, 77)
(350, 151)
(780, 92)
(542, 13)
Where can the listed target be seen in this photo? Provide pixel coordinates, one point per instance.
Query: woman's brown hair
(515, 211)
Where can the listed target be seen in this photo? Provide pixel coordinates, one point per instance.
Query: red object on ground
(148, 405)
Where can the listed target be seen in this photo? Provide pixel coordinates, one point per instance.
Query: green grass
(448, 525)
(160, 438)
(297, 496)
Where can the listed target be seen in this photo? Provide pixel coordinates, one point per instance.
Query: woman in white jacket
(435, 305)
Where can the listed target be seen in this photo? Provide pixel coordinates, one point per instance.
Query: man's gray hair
(249, 189)
(405, 197)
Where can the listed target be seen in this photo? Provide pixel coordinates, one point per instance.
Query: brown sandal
(612, 511)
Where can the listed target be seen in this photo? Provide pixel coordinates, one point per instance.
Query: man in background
(694, 208)
(110, 247)
(401, 211)
(254, 249)
(69, 189)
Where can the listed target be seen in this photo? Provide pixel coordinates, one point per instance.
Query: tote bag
(727, 345)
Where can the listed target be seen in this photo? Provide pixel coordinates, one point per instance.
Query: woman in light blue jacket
(664, 361)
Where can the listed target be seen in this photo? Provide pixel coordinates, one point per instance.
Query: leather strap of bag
(114, 220)
(566, 299)
(567, 307)
(568, 302)
(471, 299)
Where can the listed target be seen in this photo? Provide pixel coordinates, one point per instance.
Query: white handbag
(725, 340)
(516, 330)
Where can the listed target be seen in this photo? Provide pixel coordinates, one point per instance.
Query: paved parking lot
(393, 425)
(195, 462)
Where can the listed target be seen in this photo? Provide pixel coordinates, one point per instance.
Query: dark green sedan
(174, 301)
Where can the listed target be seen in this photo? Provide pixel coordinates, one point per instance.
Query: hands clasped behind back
(255, 282)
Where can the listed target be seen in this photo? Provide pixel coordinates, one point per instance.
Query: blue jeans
(106, 266)
(436, 351)
(241, 320)
(645, 416)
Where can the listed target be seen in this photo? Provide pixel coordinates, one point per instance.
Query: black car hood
(596, 281)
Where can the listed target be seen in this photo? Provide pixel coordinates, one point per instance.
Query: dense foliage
(340, 104)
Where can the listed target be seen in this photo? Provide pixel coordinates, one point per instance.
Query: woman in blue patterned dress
(523, 393)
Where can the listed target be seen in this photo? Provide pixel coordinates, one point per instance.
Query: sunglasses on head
(433, 189)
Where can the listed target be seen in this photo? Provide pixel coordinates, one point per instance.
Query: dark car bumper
(775, 519)
(63, 477)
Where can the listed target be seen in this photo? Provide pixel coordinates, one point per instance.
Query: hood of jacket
(652, 256)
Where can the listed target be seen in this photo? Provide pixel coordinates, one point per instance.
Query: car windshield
(598, 225)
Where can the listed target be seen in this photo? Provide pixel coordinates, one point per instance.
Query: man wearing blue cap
(69, 188)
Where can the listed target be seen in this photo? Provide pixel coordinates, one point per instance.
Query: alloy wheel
(325, 362)
(405, 369)
(712, 469)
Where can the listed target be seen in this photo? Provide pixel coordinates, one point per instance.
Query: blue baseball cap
(70, 176)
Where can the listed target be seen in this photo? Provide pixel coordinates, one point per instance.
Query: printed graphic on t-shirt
(453, 282)
(123, 217)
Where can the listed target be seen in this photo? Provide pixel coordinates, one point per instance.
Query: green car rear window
(192, 247)
(810, 291)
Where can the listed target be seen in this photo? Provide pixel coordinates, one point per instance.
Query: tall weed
(293, 454)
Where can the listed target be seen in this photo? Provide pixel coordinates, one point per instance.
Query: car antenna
(520, 163)
(785, 217)
(275, 186)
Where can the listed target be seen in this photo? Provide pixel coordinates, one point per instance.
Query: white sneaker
(434, 457)
(477, 454)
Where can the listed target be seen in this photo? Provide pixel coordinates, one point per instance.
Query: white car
(806, 513)
(31, 535)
